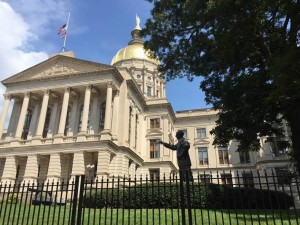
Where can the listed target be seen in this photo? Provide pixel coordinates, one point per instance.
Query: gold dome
(134, 49)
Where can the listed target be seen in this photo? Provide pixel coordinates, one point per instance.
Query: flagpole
(65, 38)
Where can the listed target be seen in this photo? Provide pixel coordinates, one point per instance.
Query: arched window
(47, 121)
(102, 116)
(26, 124)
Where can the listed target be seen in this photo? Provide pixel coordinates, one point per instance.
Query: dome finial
(138, 21)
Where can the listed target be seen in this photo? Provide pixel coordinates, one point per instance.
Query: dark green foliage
(203, 195)
(248, 53)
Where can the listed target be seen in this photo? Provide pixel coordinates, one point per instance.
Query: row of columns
(63, 115)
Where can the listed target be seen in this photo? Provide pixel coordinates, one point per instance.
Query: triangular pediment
(57, 67)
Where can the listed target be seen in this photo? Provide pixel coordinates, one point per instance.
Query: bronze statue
(182, 147)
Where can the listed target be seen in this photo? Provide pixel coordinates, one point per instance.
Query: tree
(247, 52)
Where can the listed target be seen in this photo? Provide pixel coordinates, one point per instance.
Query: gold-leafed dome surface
(134, 49)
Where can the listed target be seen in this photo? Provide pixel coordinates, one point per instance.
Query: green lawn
(27, 214)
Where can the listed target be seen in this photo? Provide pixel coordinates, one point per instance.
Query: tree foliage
(247, 52)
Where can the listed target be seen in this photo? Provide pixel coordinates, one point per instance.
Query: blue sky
(97, 30)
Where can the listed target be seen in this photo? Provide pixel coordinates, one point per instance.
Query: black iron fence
(210, 198)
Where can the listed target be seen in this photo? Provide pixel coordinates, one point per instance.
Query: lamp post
(90, 168)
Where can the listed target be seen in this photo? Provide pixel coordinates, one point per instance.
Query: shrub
(203, 195)
(13, 198)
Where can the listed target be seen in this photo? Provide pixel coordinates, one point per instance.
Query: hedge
(203, 195)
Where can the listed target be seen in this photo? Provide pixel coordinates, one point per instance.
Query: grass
(26, 214)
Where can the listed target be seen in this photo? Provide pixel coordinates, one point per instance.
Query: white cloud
(15, 36)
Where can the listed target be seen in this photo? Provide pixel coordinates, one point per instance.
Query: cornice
(167, 106)
(198, 117)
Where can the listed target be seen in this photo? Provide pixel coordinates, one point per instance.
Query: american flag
(62, 31)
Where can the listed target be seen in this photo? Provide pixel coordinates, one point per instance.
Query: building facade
(72, 117)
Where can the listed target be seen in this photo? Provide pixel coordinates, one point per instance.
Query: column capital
(26, 94)
(46, 91)
(88, 86)
(109, 84)
(67, 89)
(7, 96)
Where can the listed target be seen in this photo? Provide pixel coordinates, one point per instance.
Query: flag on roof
(62, 31)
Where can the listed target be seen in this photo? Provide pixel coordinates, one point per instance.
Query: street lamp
(90, 168)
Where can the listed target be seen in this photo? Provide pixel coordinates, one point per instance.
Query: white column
(54, 169)
(115, 118)
(10, 169)
(74, 118)
(132, 128)
(64, 111)
(43, 113)
(34, 118)
(94, 114)
(78, 164)
(53, 116)
(86, 107)
(31, 170)
(41, 123)
(13, 121)
(22, 115)
(106, 133)
(4, 113)
(107, 121)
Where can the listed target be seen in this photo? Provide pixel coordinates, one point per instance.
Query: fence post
(75, 200)
(82, 179)
(181, 175)
(188, 196)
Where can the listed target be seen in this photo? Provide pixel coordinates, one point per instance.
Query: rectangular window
(248, 180)
(149, 91)
(154, 149)
(203, 156)
(154, 174)
(223, 155)
(157, 93)
(283, 176)
(226, 178)
(201, 133)
(154, 123)
(244, 157)
(276, 149)
(205, 178)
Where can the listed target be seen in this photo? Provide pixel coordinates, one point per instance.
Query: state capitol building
(72, 117)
